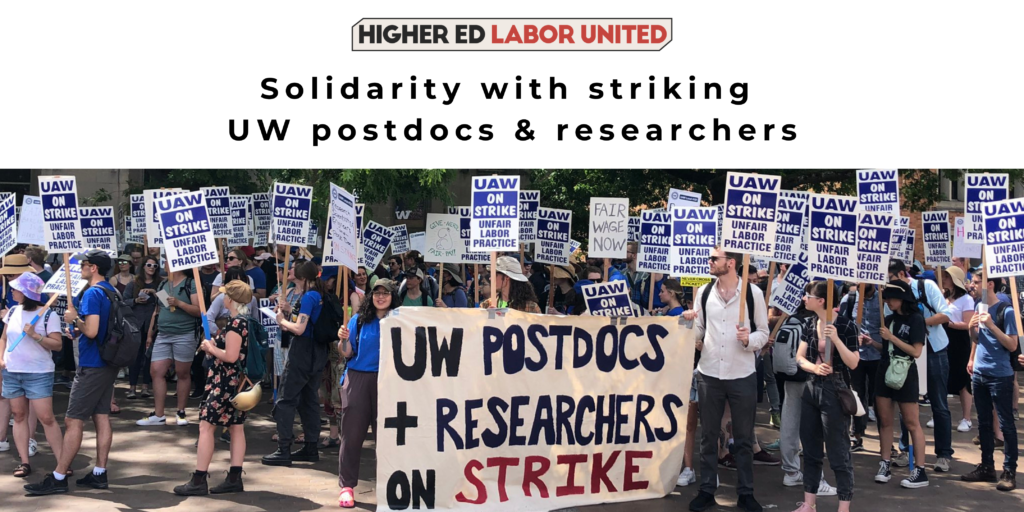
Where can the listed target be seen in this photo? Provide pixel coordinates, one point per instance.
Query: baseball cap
(510, 267)
(387, 284)
(414, 272)
(97, 257)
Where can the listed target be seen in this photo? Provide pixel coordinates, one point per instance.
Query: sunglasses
(714, 259)
(152, 265)
(124, 263)
(232, 258)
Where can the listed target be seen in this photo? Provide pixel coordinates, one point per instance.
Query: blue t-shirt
(675, 311)
(93, 302)
(991, 358)
(367, 347)
(259, 278)
(457, 299)
(310, 306)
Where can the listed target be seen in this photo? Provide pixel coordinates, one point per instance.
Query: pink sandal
(346, 499)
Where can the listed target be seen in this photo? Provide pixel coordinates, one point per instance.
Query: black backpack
(120, 346)
(332, 315)
(707, 293)
(999, 317)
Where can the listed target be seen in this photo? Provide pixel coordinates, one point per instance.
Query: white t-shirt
(957, 308)
(29, 356)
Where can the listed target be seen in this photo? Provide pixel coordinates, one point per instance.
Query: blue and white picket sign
(400, 240)
(878, 191)
(749, 222)
(909, 247)
(529, 201)
(938, 240)
(495, 214)
(129, 234)
(681, 199)
(962, 249)
(791, 217)
(833, 240)
(376, 240)
(789, 294)
(1004, 237)
(261, 217)
(634, 229)
(693, 238)
(574, 245)
(465, 230)
(655, 251)
(899, 238)
(8, 222)
(269, 322)
(61, 227)
(153, 231)
(554, 228)
(314, 233)
(238, 211)
(137, 211)
(186, 230)
(980, 189)
(218, 206)
(359, 232)
(609, 227)
(608, 299)
(874, 236)
(98, 227)
(291, 205)
(30, 221)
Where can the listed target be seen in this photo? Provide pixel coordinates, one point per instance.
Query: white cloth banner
(495, 422)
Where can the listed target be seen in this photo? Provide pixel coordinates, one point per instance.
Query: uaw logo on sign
(511, 34)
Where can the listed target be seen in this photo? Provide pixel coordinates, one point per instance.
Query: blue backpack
(255, 358)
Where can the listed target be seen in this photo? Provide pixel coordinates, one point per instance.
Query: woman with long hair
(961, 310)
(224, 380)
(142, 292)
(124, 276)
(514, 290)
(827, 352)
(359, 342)
(28, 369)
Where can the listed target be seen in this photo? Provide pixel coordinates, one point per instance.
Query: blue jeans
(938, 386)
(995, 392)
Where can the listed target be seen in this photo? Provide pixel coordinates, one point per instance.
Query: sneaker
(727, 462)
(871, 414)
(918, 478)
(763, 458)
(857, 446)
(1007, 480)
(981, 473)
(902, 460)
(191, 488)
(924, 402)
(131, 396)
(776, 420)
(702, 502)
(824, 489)
(182, 421)
(747, 503)
(772, 446)
(793, 480)
(884, 472)
(152, 420)
(964, 426)
(687, 477)
(931, 423)
(941, 465)
(93, 480)
(5, 446)
(49, 485)
(33, 447)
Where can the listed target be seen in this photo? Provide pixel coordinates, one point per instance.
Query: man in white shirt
(727, 374)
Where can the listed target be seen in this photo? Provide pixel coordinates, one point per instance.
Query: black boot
(279, 458)
(196, 486)
(233, 483)
(308, 453)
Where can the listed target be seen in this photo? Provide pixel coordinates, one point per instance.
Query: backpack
(787, 341)
(999, 317)
(120, 346)
(750, 304)
(332, 315)
(258, 344)
(923, 300)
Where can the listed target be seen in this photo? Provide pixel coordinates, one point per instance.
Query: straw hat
(15, 264)
(956, 274)
(238, 291)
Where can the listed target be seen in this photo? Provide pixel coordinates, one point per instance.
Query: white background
(871, 84)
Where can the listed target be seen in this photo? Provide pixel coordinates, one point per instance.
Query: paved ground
(146, 463)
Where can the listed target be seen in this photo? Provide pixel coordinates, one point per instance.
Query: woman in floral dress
(224, 380)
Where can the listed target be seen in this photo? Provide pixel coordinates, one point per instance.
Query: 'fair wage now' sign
(748, 225)
(495, 214)
(609, 227)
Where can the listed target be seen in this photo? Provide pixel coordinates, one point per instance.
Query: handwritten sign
(186, 231)
(291, 205)
(749, 222)
(981, 189)
(443, 244)
(693, 238)
(30, 221)
(874, 235)
(98, 227)
(833, 240)
(341, 228)
(1004, 237)
(495, 214)
(655, 248)
(878, 191)
(962, 249)
(938, 248)
(376, 240)
(529, 202)
(553, 231)
(790, 219)
(219, 209)
(609, 227)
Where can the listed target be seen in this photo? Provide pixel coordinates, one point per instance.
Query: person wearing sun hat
(565, 293)
(453, 294)
(28, 368)
(961, 309)
(514, 290)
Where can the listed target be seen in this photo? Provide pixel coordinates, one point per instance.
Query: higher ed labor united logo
(511, 34)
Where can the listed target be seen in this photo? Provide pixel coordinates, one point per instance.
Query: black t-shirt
(909, 329)
(847, 332)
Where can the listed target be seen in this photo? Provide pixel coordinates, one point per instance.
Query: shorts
(91, 392)
(907, 394)
(31, 385)
(180, 347)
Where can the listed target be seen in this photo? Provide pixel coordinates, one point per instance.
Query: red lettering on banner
(502, 463)
(481, 491)
(570, 487)
(600, 472)
(629, 484)
(532, 476)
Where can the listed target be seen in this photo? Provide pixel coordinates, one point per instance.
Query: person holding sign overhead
(727, 374)
(823, 423)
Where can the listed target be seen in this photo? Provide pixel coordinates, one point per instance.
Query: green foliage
(101, 196)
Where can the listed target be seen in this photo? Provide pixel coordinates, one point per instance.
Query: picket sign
(749, 221)
(529, 202)
(693, 238)
(682, 198)
(290, 213)
(878, 191)
(609, 299)
(938, 249)
(8, 222)
(791, 220)
(443, 244)
(494, 219)
(400, 240)
(655, 249)
(978, 190)
(376, 240)
(98, 227)
(30, 221)
(188, 238)
(961, 247)
(833, 240)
